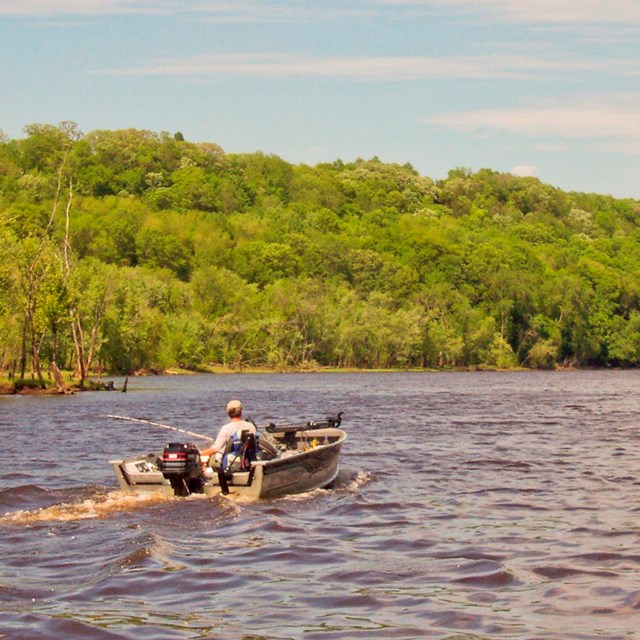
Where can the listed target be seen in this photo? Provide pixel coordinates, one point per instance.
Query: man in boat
(230, 433)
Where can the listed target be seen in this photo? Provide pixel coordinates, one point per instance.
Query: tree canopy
(130, 250)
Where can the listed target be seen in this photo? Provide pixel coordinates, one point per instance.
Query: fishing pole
(164, 426)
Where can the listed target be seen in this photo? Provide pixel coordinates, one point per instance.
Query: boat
(284, 459)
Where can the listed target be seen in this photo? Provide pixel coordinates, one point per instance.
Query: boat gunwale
(342, 436)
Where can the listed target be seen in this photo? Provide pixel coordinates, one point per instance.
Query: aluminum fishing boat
(282, 460)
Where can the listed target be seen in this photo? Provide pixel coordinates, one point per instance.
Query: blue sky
(535, 87)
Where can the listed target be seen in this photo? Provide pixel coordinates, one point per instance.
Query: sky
(545, 88)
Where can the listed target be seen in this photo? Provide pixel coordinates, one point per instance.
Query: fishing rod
(331, 421)
(163, 426)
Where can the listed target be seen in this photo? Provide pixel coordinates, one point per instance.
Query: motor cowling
(180, 464)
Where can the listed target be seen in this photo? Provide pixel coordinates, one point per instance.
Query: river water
(468, 506)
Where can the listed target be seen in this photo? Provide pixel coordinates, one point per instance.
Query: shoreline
(30, 387)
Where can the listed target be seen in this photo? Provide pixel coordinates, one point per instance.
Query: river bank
(69, 386)
(33, 387)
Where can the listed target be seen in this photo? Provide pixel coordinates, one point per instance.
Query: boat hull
(313, 463)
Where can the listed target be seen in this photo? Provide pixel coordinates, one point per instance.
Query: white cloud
(282, 11)
(603, 124)
(210, 10)
(524, 171)
(568, 12)
(49, 8)
(371, 68)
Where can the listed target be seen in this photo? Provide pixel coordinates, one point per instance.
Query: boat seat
(235, 479)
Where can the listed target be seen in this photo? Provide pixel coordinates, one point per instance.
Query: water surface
(469, 506)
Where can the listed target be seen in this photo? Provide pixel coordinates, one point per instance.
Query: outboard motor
(180, 465)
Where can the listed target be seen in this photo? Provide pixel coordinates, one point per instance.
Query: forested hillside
(132, 250)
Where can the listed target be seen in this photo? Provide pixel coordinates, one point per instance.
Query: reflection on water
(469, 505)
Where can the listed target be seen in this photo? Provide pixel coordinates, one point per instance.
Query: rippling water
(469, 505)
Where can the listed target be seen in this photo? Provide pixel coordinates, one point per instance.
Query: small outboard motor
(180, 465)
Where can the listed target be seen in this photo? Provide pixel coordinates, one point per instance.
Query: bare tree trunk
(78, 341)
(54, 342)
(23, 355)
(93, 339)
(61, 387)
(76, 325)
(36, 346)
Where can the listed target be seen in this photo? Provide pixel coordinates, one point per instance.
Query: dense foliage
(130, 249)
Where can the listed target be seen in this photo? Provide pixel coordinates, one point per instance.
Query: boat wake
(99, 506)
(354, 482)
(345, 483)
(105, 504)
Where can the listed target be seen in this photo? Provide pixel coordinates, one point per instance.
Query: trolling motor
(331, 422)
(180, 464)
(289, 430)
